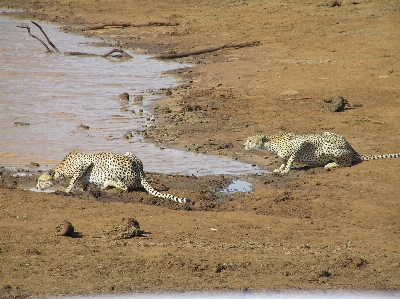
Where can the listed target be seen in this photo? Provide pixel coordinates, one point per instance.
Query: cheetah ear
(51, 172)
(264, 138)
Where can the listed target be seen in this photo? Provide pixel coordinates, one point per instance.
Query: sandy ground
(310, 229)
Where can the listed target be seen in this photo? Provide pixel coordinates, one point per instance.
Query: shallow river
(55, 94)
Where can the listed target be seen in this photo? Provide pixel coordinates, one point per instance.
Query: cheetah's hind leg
(338, 163)
(114, 183)
(331, 165)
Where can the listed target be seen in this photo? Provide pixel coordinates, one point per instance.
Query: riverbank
(312, 229)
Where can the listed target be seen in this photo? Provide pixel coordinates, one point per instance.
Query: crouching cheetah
(103, 170)
(328, 149)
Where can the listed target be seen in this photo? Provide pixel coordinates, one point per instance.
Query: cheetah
(103, 170)
(328, 149)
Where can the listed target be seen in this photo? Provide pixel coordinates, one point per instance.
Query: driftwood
(371, 120)
(80, 54)
(122, 53)
(45, 35)
(207, 50)
(123, 25)
(34, 36)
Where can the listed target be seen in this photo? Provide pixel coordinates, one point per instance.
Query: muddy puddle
(53, 104)
(237, 186)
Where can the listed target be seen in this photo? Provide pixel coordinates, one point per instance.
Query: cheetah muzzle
(103, 170)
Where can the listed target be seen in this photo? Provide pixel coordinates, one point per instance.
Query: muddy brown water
(56, 94)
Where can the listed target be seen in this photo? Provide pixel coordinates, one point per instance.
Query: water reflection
(237, 186)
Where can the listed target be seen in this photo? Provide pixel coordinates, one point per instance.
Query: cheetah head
(255, 142)
(46, 180)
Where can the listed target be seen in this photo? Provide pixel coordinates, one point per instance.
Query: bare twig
(122, 53)
(123, 25)
(207, 50)
(45, 35)
(80, 54)
(371, 120)
(29, 31)
(102, 26)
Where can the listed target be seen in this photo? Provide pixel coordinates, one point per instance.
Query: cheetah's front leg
(286, 166)
(78, 175)
(281, 168)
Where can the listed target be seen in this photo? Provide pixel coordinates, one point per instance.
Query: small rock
(83, 127)
(334, 3)
(336, 105)
(34, 165)
(219, 268)
(21, 124)
(225, 145)
(168, 92)
(127, 135)
(65, 229)
(191, 108)
(324, 273)
(124, 97)
(138, 98)
(163, 110)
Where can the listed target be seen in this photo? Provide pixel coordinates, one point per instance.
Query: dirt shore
(310, 229)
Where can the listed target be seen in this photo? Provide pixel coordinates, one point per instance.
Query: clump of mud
(128, 228)
(336, 104)
(65, 229)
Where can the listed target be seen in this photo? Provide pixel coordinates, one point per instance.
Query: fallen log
(207, 50)
(123, 25)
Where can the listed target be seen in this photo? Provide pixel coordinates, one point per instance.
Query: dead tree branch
(122, 54)
(207, 50)
(123, 25)
(80, 54)
(45, 35)
(29, 31)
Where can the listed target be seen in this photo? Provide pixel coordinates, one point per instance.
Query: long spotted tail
(377, 157)
(155, 193)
